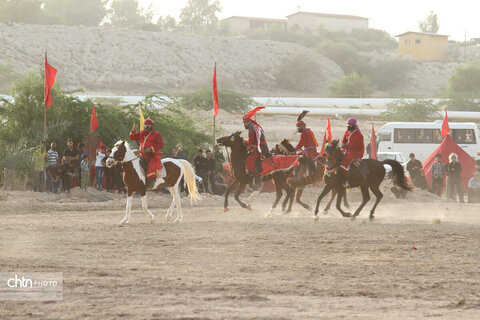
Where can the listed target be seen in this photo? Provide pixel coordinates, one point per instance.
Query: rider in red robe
(151, 144)
(257, 143)
(307, 141)
(352, 144)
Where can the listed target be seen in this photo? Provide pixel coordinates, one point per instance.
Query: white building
(331, 22)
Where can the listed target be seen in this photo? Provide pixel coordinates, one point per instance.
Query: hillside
(129, 62)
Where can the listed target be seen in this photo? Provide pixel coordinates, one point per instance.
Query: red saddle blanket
(279, 162)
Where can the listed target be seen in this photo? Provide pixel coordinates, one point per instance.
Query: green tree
(465, 81)
(21, 11)
(429, 24)
(200, 16)
(75, 12)
(125, 13)
(417, 110)
(351, 85)
(203, 99)
(298, 72)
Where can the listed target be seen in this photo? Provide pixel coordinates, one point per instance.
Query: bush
(351, 85)
(465, 81)
(418, 110)
(297, 72)
(347, 57)
(389, 73)
(203, 99)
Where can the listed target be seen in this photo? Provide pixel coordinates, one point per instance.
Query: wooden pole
(213, 144)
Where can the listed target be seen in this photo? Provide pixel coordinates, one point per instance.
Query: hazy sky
(392, 16)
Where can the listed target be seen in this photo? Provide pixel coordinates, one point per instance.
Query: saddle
(143, 163)
(357, 174)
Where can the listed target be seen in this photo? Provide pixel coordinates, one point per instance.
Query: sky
(395, 17)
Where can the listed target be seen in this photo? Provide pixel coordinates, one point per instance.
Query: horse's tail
(190, 181)
(286, 172)
(398, 175)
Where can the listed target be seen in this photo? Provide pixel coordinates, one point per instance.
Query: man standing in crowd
(9, 169)
(39, 167)
(70, 157)
(200, 168)
(438, 173)
(52, 160)
(100, 167)
(474, 188)
(454, 180)
(210, 169)
(413, 167)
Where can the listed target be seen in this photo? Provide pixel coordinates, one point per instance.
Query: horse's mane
(119, 142)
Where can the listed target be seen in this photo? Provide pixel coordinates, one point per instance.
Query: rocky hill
(115, 61)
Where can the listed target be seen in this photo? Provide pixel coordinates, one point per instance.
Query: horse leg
(340, 193)
(147, 211)
(289, 197)
(237, 195)
(128, 209)
(329, 204)
(319, 199)
(278, 191)
(290, 200)
(169, 211)
(345, 201)
(227, 193)
(379, 195)
(298, 199)
(178, 201)
(365, 199)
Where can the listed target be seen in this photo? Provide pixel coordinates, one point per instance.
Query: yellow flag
(142, 119)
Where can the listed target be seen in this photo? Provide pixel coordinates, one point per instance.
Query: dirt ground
(240, 264)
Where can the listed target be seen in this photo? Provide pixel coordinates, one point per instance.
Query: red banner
(93, 121)
(50, 73)
(373, 144)
(328, 136)
(445, 126)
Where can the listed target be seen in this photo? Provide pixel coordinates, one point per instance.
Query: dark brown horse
(134, 178)
(334, 178)
(241, 178)
(301, 179)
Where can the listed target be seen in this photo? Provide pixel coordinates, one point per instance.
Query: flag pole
(213, 144)
(45, 110)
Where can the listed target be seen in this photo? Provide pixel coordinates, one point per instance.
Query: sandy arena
(241, 265)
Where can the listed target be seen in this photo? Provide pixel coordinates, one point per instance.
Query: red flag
(373, 145)
(445, 127)
(322, 150)
(328, 136)
(215, 91)
(50, 73)
(93, 121)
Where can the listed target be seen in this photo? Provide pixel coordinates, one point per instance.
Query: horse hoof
(325, 212)
(308, 208)
(316, 218)
(152, 220)
(123, 222)
(371, 218)
(347, 215)
(249, 207)
(226, 209)
(353, 218)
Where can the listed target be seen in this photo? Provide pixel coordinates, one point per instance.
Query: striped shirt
(52, 156)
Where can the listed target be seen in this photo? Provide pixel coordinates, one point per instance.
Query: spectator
(220, 185)
(52, 154)
(85, 172)
(9, 169)
(454, 181)
(109, 173)
(70, 157)
(200, 169)
(438, 172)
(210, 169)
(38, 164)
(474, 188)
(181, 155)
(173, 153)
(81, 153)
(100, 167)
(66, 171)
(52, 180)
(477, 165)
(413, 167)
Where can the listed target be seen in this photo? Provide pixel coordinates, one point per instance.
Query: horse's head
(231, 140)
(283, 148)
(117, 154)
(333, 153)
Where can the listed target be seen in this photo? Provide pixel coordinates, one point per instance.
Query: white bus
(422, 138)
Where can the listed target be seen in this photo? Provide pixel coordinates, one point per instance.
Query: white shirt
(98, 162)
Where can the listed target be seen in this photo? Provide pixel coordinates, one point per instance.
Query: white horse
(135, 181)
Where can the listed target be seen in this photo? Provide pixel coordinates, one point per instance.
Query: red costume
(256, 140)
(354, 148)
(309, 144)
(154, 141)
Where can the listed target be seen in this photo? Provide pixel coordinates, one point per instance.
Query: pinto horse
(301, 180)
(334, 178)
(241, 177)
(134, 178)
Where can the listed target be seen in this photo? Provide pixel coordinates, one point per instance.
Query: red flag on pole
(215, 91)
(373, 144)
(322, 150)
(328, 136)
(50, 73)
(445, 127)
(93, 120)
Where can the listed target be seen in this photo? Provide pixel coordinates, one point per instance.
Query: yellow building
(423, 46)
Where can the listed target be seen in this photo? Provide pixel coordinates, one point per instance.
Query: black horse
(334, 178)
